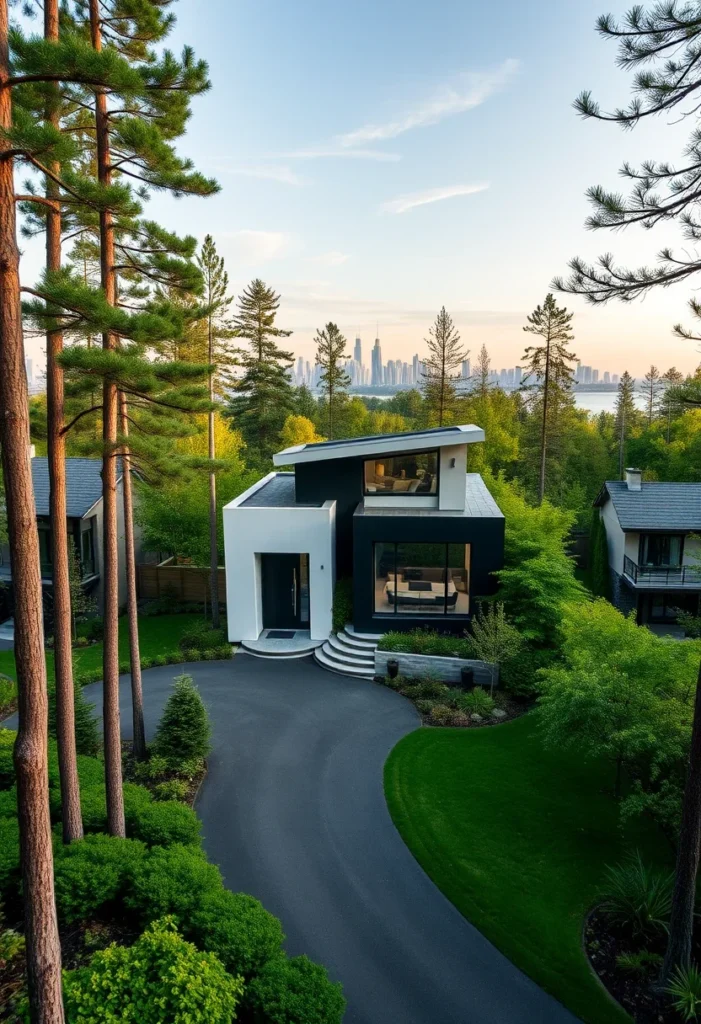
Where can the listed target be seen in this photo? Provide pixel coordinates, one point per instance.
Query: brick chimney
(634, 479)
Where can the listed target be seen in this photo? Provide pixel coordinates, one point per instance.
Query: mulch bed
(633, 992)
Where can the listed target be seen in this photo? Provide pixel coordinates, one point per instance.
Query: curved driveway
(293, 811)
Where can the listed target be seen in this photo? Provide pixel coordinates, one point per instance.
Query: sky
(379, 160)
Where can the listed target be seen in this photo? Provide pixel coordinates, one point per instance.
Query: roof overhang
(367, 447)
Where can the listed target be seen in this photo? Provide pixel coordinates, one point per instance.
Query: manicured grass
(158, 634)
(517, 836)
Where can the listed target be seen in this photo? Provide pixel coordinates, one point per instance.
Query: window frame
(401, 494)
(643, 542)
(445, 615)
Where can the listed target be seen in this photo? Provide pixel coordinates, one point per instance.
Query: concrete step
(359, 654)
(330, 660)
(353, 641)
(375, 637)
(275, 657)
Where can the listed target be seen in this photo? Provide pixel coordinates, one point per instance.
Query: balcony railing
(662, 575)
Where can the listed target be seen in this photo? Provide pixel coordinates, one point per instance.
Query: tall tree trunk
(43, 950)
(110, 657)
(63, 631)
(544, 425)
(213, 544)
(681, 922)
(137, 693)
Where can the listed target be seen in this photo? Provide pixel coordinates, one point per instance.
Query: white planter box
(418, 666)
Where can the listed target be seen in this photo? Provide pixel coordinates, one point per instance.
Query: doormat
(280, 634)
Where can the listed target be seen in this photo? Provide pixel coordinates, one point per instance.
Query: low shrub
(342, 604)
(124, 668)
(520, 675)
(475, 702)
(172, 789)
(636, 898)
(238, 929)
(192, 654)
(150, 770)
(441, 714)
(8, 691)
(224, 652)
(188, 768)
(9, 857)
(165, 823)
(160, 659)
(172, 880)
(161, 978)
(89, 676)
(7, 766)
(425, 706)
(426, 641)
(201, 637)
(93, 873)
(295, 991)
(8, 802)
(94, 806)
(184, 729)
(92, 629)
(11, 944)
(639, 964)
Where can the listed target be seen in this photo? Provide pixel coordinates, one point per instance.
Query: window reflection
(422, 579)
(414, 473)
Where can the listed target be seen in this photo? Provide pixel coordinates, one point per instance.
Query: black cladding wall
(342, 480)
(486, 537)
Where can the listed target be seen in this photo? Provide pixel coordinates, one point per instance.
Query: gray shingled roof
(279, 492)
(83, 485)
(657, 506)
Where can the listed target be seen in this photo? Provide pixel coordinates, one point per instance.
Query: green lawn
(158, 634)
(517, 836)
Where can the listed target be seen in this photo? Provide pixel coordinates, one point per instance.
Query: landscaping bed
(442, 705)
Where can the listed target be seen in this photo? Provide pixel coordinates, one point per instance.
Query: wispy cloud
(266, 172)
(466, 91)
(255, 246)
(334, 151)
(334, 258)
(432, 195)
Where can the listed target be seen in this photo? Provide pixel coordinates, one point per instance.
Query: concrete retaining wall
(418, 666)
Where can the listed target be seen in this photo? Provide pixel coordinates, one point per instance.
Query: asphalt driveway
(293, 811)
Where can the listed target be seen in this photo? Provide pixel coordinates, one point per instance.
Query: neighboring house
(654, 552)
(398, 513)
(83, 522)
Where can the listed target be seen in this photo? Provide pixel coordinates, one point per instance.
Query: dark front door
(285, 594)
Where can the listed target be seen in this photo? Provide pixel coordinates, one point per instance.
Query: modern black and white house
(654, 551)
(397, 513)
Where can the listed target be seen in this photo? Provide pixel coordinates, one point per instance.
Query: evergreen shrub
(172, 880)
(163, 823)
(294, 991)
(160, 979)
(93, 873)
(236, 927)
(184, 729)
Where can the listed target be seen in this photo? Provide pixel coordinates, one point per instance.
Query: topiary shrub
(161, 979)
(238, 929)
(172, 880)
(93, 873)
(294, 991)
(184, 729)
(165, 823)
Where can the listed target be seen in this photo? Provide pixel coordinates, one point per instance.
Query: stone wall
(418, 666)
(621, 595)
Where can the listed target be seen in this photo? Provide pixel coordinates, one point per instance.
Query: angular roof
(277, 491)
(657, 506)
(83, 485)
(380, 444)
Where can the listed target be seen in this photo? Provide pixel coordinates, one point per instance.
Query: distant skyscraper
(29, 371)
(358, 351)
(465, 369)
(614, 378)
(377, 375)
(518, 376)
(607, 377)
(595, 376)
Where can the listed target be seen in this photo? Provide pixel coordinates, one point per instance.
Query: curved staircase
(349, 653)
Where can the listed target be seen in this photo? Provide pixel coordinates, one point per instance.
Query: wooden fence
(182, 582)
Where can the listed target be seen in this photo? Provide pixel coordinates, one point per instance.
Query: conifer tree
(445, 356)
(650, 389)
(330, 350)
(669, 403)
(263, 395)
(480, 373)
(549, 376)
(625, 415)
(304, 403)
(221, 360)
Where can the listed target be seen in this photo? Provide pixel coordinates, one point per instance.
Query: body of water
(593, 401)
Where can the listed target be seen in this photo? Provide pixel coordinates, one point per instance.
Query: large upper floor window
(661, 549)
(413, 473)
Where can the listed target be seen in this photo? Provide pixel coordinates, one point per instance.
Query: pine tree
(445, 356)
(81, 603)
(330, 350)
(549, 376)
(625, 416)
(263, 394)
(669, 403)
(650, 389)
(479, 380)
(304, 403)
(220, 358)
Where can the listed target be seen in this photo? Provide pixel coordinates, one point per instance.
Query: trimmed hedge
(238, 928)
(93, 874)
(165, 822)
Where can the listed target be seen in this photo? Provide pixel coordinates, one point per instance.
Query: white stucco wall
(451, 479)
(251, 531)
(692, 552)
(615, 537)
